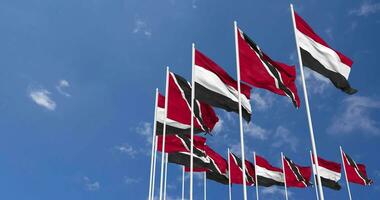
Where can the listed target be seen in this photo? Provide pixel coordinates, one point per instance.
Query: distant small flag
(179, 110)
(320, 57)
(356, 173)
(268, 175)
(296, 175)
(259, 70)
(236, 169)
(215, 87)
(330, 173)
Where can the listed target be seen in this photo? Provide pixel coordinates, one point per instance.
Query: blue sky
(77, 88)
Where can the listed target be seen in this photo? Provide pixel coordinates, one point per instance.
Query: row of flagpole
(162, 192)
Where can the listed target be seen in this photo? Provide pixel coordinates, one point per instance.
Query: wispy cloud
(127, 149)
(366, 8)
(142, 28)
(262, 100)
(130, 180)
(355, 114)
(91, 185)
(316, 83)
(256, 131)
(271, 191)
(145, 129)
(42, 98)
(62, 85)
(283, 137)
(329, 33)
(218, 126)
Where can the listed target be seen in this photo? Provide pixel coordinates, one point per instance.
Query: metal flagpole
(166, 175)
(192, 121)
(153, 146)
(229, 175)
(154, 163)
(240, 112)
(204, 185)
(345, 173)
(284, 175)
(164, 133)
(183, 182)
(315, 181)
(257, 183)
(314, 147)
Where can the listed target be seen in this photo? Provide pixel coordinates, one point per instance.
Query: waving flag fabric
(180, 143)
(330, 173)
(257, 69)
(267, 175)
(215, 87)
(356, 173)
(296, 175)
(236, 169)
(179, 110)
(320, 57)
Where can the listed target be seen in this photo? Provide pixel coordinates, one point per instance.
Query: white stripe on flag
(328, 174)
(274, 175)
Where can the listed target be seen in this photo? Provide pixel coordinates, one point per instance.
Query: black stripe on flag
(337, 79)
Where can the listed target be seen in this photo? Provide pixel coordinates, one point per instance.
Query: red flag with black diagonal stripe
(296, 175)
(356, 173)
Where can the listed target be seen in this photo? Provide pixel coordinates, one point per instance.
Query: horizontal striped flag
(215, 87)
(268, 175)
(330, 173)
(319, 56)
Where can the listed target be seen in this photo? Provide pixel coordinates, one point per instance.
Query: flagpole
(154, 162)
(204, 186)
(164, 132)
(153, 146)
(183, 182)
(315, 181)
(257, 183)
(345, 173)
(314, 148)
(229, 176)
(283, 171)
(166, 175)
(192, 121)
(240, 112)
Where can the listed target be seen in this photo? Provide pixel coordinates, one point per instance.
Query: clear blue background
(95, 143)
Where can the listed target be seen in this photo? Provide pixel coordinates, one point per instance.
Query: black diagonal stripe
(184, 159)
(247, 175)
(296, 171)
(186, 88)
(337, 79)
(352, 163)
(273, 69)
(220, 178)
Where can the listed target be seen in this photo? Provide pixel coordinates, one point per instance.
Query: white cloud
(283, 137)
(218, 127)
(141, 27)
(129, 180)
(356, 115)
(366, 8)
(91, 185)
(256, 131)
(127, 149)
(62, 84)
(329, 33)
(145, 129)
(275, 191)
(41, 97)
(262, 101)
(194, 4)
(315, 82)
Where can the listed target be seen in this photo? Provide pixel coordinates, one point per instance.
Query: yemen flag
(329, 172)
(259, 70)
(320, 57)
(236, 169)
(180, 143)
(215, 87)
(267, 175)
(295, 175)
(179, 110)
(356, 173)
